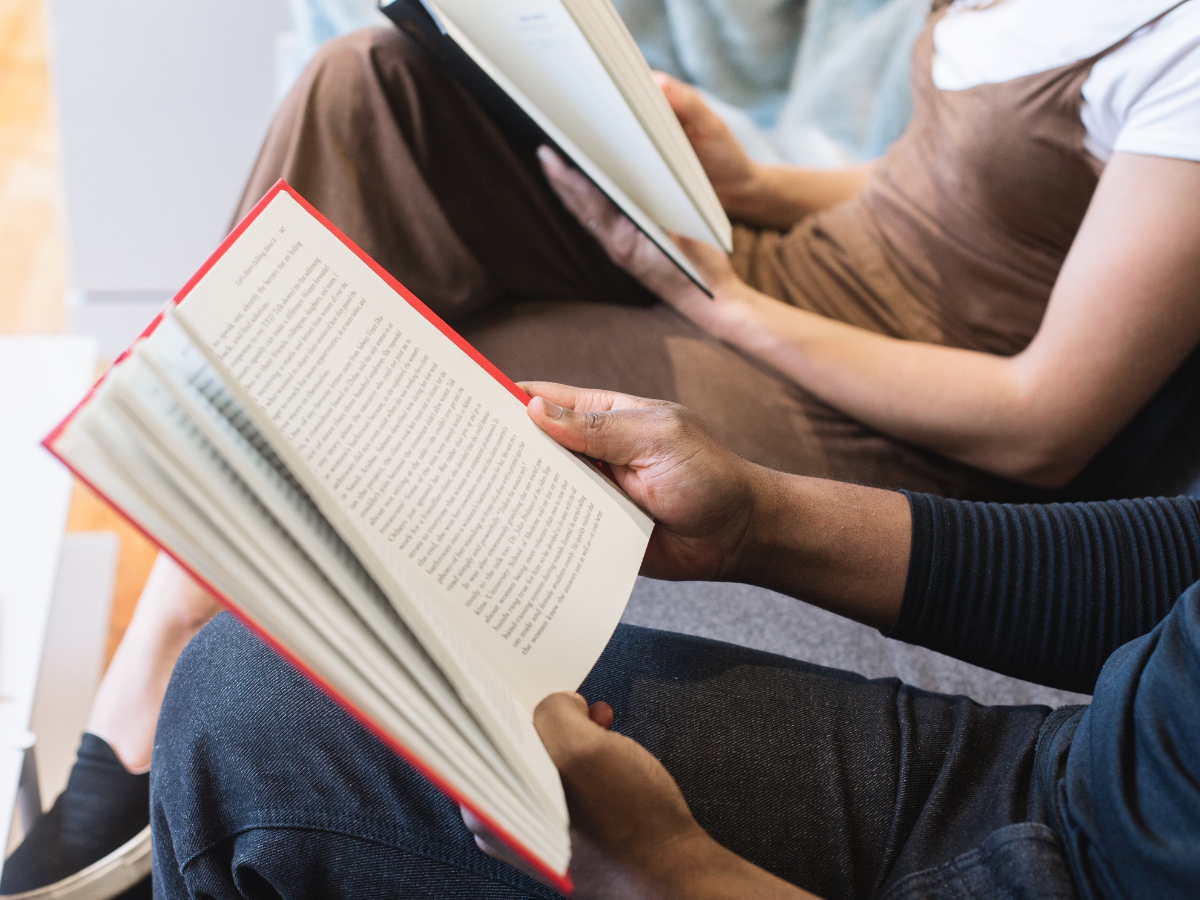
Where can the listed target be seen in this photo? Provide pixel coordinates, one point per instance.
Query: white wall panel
(161, 105)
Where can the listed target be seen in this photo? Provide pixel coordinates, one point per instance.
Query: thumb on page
(612, 436)
(566, 727)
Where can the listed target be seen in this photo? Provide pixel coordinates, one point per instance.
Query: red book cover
(561, 881)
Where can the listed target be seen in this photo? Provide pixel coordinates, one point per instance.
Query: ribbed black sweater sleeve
(1044, 593)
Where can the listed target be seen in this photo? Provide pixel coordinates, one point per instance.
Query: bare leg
(171, 609)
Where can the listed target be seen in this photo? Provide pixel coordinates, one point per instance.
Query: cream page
(540, 48)
(581, 159)
(425, 464)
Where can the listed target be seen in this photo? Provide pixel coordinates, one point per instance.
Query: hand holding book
(700, 494)
(718, 518)
(734, 176)
(715, 310)
(567, 73)
(632, 832)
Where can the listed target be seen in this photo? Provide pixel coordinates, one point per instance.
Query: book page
(618, 52)
(598, 176)
(425, 464)
(190, 501)
(540, 49)
(167, 360)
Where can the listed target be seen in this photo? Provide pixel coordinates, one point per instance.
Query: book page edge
(560, 880)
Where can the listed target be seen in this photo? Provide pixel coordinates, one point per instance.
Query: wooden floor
(32, 256)
(32, 274)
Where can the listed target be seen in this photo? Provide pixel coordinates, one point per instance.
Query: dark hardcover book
(415, 19)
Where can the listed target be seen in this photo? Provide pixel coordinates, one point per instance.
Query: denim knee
(251, 758)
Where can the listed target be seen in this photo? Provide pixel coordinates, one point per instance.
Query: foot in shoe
(103, 807)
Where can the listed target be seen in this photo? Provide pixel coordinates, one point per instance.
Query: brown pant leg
(403, 161)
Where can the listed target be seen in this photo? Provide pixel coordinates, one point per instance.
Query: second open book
(568, 73)
(369, 493)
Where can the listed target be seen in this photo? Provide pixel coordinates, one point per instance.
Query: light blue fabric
(314, 22)
(822, 82)
(850, 87)
(317, 21)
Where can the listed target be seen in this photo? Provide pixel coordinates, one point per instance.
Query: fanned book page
(568, 73)
(368, 493)
(541, 47)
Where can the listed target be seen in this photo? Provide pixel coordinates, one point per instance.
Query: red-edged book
(368, 493)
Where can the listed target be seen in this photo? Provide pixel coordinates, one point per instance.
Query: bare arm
(786, 194)
(1122, 317)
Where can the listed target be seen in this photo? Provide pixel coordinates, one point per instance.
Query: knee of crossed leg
(348, 70)
(213, 680)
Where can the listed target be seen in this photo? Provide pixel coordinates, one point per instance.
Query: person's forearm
(710, 872)
(842, 547)
(783, 195)
(983, 410)
(934, 577)
(1045, 592)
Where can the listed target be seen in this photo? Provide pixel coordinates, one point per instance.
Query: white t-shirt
(1143, 97)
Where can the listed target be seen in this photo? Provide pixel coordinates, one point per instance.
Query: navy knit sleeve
(1044, 593)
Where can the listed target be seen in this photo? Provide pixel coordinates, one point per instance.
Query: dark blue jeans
(262, 787)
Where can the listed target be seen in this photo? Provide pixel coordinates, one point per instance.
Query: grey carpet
(764, 620)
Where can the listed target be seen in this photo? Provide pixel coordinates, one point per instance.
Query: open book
(370, 495)
(568, 73)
